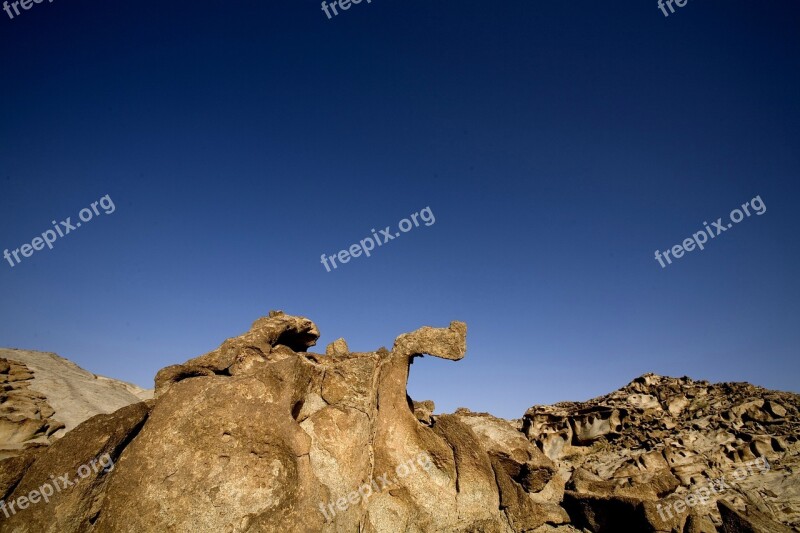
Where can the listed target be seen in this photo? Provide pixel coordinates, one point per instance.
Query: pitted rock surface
(261, 435)
(659, 439)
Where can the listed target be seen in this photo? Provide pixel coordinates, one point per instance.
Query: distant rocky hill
(261, 435)
(659, 440)
(45, 395)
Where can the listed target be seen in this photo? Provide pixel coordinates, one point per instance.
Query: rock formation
(261, 435)
(660, 440)
(45, 395)
(26, 419)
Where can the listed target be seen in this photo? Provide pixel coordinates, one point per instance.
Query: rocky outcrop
(77, 486)
(337, 347)
(262, 435)
(271, 338)
(667, 449)
(26, 419)
(44, 396)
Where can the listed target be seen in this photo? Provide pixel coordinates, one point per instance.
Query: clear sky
(558, 144)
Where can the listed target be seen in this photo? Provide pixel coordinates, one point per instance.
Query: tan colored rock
(699, 524)
(337, 347)
(677, 405)
(424, 411)
(45, 395)
(261, 435)
(449, 343)
(239, 354)
(776, 409)
(751, 521)
(550, 428)
(75, 468)
(622, 448)
(12, 469)
(26, 419)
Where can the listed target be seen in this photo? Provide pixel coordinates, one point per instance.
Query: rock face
(667, 449)
(26, 419)
(260, 436)
(45, 395)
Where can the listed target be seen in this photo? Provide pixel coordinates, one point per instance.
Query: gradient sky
(558, 144)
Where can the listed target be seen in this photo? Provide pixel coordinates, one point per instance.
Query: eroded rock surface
(26, 419)
(43, 396)
(261, 435)
(660, 440)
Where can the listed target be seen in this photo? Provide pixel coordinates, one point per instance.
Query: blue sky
(557, 144)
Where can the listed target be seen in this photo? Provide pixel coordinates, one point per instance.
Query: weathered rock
(261, 435)
(424, 411)
(699, 524)
(450, 343)
(77, 469)
(239, 354)
(11, 471)
(26, 419)
(602, 514)
(337, 347)
(751, 521)
(659, 440)
(45, 395)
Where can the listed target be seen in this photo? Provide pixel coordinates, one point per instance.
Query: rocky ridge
(262, 435)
